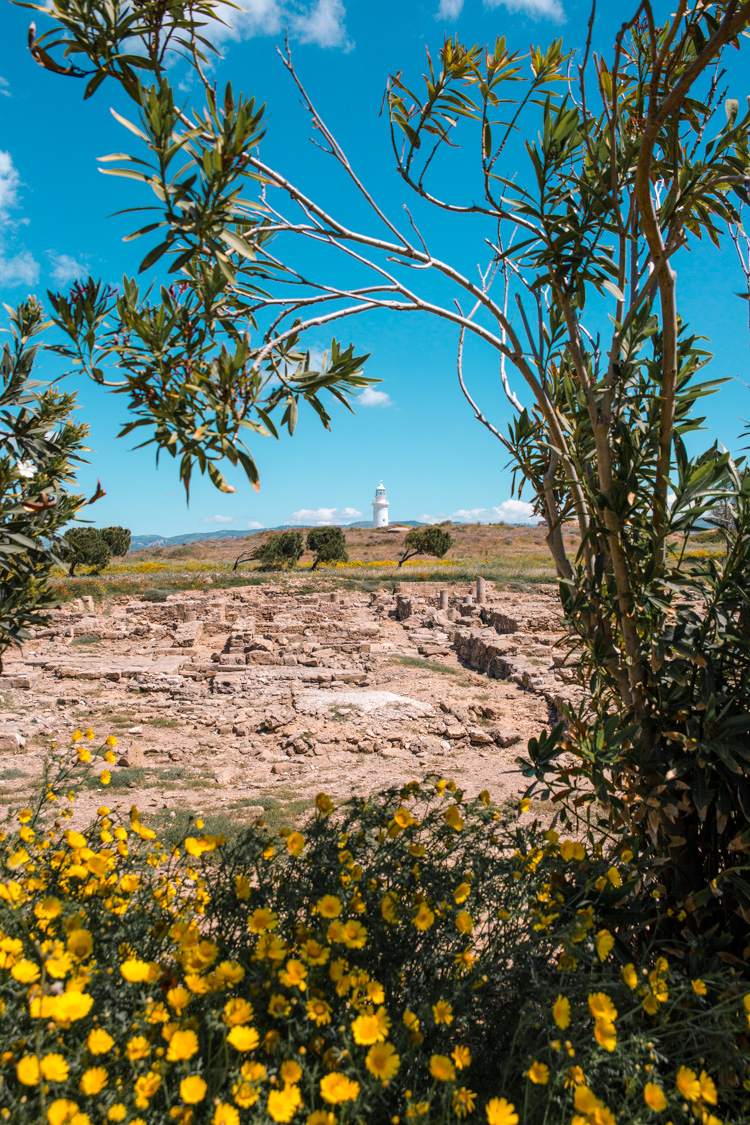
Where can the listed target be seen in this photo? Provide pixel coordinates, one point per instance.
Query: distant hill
(141, 542)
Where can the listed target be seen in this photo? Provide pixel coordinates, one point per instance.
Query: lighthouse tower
(380, 507)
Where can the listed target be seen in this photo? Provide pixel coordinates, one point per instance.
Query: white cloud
(18, 269)
(5, 87)
(65, 268)
(253, 525)
(10, 182)
(321, 22)
(450, 9)
(257, 17)
(324, 25)
(219, 519)
(321, 517)
(537, 9)
(510, 511)
(371, 397)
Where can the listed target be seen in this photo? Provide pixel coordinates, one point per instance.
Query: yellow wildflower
(225, 1114)
(424, 918)
(243, 1038)
(604, 944)
(193, 1089)
(688, 1084)
(283, 1104)
(538, 1073)
(329, 906)
(382, 1061)
(337, 1088)
(629, 975)
(463, 1101)
(28, 1071)
(561, 1012)
(461, 1057)
(135, 970)
(54, 1068)
(442, 1069)
(371, 1028)
(653, 1096)
(443, 1012)
(500, 1111)
(93, 1080)
(183, 1045)
(319, 1011)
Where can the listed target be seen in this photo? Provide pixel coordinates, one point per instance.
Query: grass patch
(153, 777)
(425, 665)
(12, 774)
(277, 814)
(87, 639)
(159, 721)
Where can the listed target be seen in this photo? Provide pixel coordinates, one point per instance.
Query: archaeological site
(237, 701)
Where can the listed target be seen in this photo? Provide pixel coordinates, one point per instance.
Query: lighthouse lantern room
(380, 507)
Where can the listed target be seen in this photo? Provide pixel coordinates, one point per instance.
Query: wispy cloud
(510, 511)
(371, 397)
(219, 519)
(324, 24)
(253, 525)
(10, 182)
(537, 9)
(321, 517)
(5, 87)
(18, 269)
(65, 268)
(321, 22)
(450, 9)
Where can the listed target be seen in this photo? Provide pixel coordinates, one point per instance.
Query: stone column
(481, 591)
(443, 599)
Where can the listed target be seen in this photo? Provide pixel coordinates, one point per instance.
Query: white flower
(26, 469)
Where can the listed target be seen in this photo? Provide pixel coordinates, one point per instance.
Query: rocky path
(235, 702)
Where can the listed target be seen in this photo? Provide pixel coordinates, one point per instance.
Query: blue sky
(416, 433)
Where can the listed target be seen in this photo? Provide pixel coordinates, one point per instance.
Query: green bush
(328, 543)
(426, 541)
(408, 957)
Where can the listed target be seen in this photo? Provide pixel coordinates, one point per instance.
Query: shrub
(279, 551)
(40, 449)
(426, 541)
(412, 955)
(328, 543)
(88, 546)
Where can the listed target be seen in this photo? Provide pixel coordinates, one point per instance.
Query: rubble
(289, 692)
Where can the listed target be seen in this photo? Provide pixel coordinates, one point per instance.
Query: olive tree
(328, 545)
(632, 159)
(426, 541)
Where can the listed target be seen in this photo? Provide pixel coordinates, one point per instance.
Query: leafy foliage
(283, 549)
(631, 167)
(117, 539)
(200, 373)
(89, 546)
(426, 541)
(328, 543)
(40, 447)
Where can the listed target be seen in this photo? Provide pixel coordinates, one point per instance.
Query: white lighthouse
(380, 507)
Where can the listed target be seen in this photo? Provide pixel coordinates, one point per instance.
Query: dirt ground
(244, 703)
